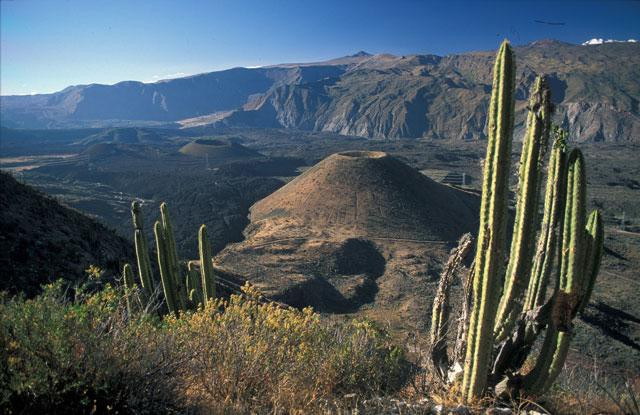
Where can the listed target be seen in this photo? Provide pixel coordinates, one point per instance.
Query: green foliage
(254, 357)
(230, 356)
(82, 357)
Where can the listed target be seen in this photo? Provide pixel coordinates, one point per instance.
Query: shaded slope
(42, 241)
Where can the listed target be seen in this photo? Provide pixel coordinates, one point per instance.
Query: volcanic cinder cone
(360, 231)
(219, 150)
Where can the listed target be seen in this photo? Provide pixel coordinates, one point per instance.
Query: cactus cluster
(184, 287)
(509, 306)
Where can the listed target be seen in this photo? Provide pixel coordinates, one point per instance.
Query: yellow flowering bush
(235, 355)
(250, 356)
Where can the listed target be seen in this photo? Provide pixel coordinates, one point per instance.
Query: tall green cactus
(489, 260)
(206, 267)
(127, 276)
(183, 286)
(142, 250)
(594, 239)
(166, 276)
(570, 281)
(504, 319)
(550, 230)
(171, 258)
(524, 229)
(194, 288)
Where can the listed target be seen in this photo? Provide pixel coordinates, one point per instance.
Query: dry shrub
(254, 357)
(59, 356)
(232, 356)
(586, 388)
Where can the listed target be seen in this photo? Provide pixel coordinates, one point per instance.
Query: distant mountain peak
(360, 54)
(548, 42)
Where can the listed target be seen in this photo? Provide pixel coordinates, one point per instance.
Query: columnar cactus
(594, 240)
(183, 285)
(489, 260)
(194, 287)
(548, 239)
(168, 279)
(142, 250)
(206, 267)
(524, 229)
(571, 279)
(500, 336)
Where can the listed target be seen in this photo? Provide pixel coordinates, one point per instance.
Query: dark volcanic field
(102, 175)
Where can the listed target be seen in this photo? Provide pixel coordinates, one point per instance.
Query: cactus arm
(127, 275)
(489, 260)
(165, 271)
(549, 233)
(194, 286)
(594, 240)
(206, 267)
(566, 299)
(524, 229)
(172, 258)
(142, 250)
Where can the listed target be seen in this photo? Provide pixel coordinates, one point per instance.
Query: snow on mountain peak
(600, 41)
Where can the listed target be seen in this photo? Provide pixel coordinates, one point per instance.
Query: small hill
(104, 150)
(41, 241)
(219, 150)
(371, 194)
(123, 135)
(358, 232)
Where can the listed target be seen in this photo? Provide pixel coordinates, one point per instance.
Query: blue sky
(46, 45)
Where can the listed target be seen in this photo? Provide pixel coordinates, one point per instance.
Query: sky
(47, 45)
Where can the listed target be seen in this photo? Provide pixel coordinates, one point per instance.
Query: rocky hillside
(41, 241)
(596, 90)
(137, 103)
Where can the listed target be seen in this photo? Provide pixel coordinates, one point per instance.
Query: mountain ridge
(595, 89)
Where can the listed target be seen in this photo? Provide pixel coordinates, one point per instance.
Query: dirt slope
(358, 232)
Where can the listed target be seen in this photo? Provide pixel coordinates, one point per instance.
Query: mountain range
(595, 89)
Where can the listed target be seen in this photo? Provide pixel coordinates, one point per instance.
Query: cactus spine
(570, 280)
(168, 281)
(501, 336)
(522, 243)
(171, 259)
(594, 240)
(142, 250)
(548, 239)
(491, 234)
(206, 267)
